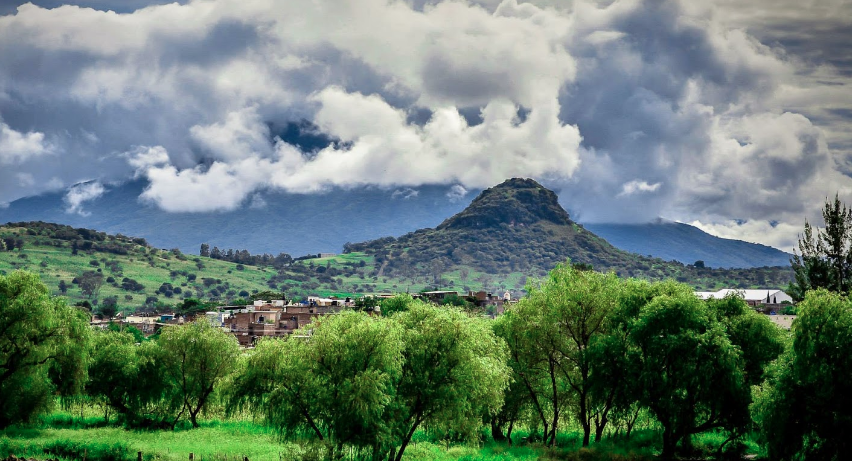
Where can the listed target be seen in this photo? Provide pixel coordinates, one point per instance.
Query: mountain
(508, 233)
(298, 224)
(688, 244)
(519, 227)
(272, 222)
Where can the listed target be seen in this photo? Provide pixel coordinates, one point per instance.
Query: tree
(550, 334)
(399, 303)
(108, 307)
(91, 283)
(205, 250)
(454, 372)
(336, 386)
(371, 382)
(824, 260)
(804, 410)
(689, 371)
(128, 379)
(42, 347)
(196, 358)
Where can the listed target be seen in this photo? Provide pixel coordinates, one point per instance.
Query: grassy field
(66, 436)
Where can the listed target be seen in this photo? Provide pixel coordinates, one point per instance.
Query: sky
(733, 116)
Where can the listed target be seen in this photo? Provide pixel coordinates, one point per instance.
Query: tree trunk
(497, 431)
(599, 429)
(669, 444)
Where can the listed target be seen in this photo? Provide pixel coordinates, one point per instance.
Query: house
(248, 325)
(438, 296)
(769, 301)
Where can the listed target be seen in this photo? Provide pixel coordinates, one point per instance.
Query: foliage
(127, 378)
(195, 359)
(550, 333)
(824, 260)
(117, 451)
(336, 386)
(370, 383)
(805, 409)
(399, 303)
(690, 373)
(42, 346)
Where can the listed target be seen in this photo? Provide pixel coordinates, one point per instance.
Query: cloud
(633, 109)
(257, 202)
(405, 194)
(636, 186)
(143, 157)
(456, 192)
(779, 235)
(80, 193)
(17, 147)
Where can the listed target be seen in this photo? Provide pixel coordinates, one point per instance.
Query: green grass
(68, 434)
(242, 439)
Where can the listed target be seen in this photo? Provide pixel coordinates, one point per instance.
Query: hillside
(509, 233)
(272, 222)
(681, 242)
(299, 224)
(519, 227)
(138, 276)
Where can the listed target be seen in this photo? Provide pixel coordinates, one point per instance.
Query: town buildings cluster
(279, 317)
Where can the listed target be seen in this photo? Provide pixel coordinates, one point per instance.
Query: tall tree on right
(824, 259)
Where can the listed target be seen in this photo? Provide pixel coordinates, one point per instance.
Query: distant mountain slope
(687, 244)
(300, 224)
(297, 224)
(519, 226)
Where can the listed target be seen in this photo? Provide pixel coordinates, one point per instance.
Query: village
(282, 317)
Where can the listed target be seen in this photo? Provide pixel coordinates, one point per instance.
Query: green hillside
(510, 233)
(518, 227)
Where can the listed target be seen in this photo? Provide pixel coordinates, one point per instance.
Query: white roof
(748, 295)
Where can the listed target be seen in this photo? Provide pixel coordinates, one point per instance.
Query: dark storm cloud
(721, 114)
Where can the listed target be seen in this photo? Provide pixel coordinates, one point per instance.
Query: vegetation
(587, 360)
(824, 260)
(518, 227)
(43, 343)
(805, 407)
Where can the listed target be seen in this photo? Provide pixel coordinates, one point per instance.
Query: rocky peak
(515, 202)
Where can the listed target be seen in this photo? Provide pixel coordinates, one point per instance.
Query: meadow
(66, 435)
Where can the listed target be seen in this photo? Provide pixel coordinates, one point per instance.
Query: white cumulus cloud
(78, 194)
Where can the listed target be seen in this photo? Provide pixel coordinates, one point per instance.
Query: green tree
(127, 378)
(454, 372)
(196, 358)
(553, 330)
(399, 303)
(804, 409)
(689, 371)
(91, 283)
(335, 386)
(42, 347)
(824, 260)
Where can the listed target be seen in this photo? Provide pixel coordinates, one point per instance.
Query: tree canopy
(42, 347)
(824, 258)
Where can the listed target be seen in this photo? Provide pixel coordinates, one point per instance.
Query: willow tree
(331, 382)
(42, 347)
(550, 333)
(196, 358)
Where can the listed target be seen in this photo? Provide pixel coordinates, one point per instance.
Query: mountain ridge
(300, 224)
